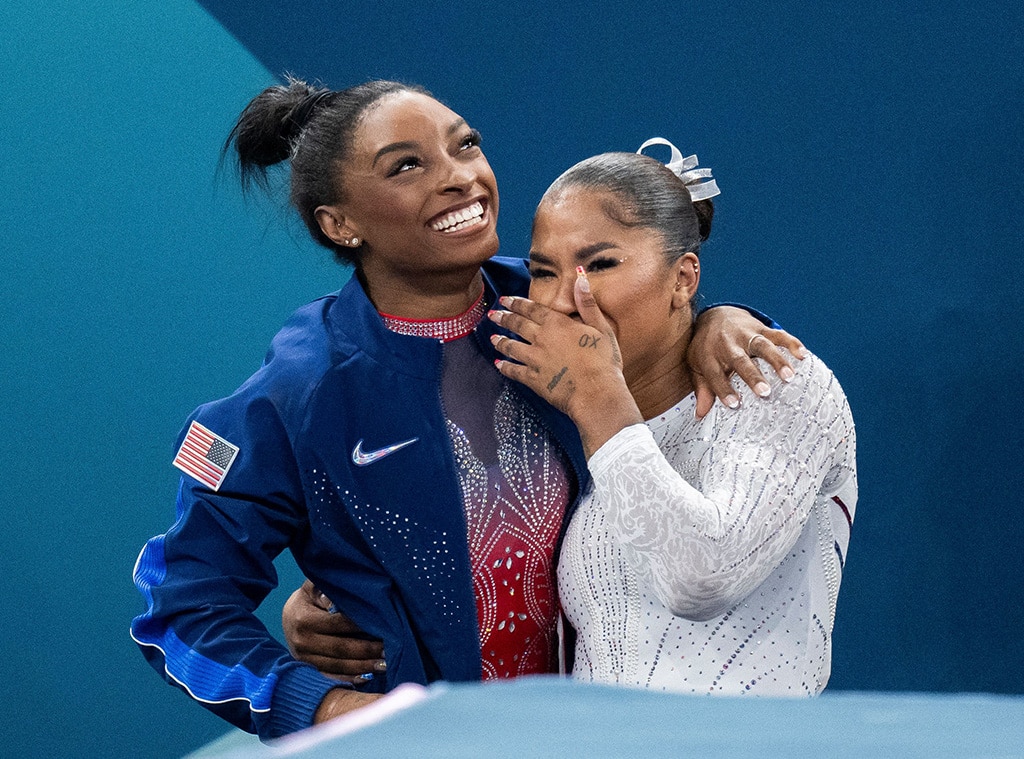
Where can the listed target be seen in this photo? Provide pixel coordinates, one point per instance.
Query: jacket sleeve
(761, 317)
(203, 579)
(704, 549)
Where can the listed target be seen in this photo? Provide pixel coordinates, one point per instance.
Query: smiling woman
(421, 491)
(417, 180)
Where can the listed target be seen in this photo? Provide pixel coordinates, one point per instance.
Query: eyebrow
(396, 147)
(581, 255)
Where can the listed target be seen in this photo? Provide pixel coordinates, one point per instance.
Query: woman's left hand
(576, 367)
(725, 341)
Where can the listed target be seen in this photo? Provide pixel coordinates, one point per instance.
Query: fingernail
(497, 363)
(366, 677)
(803, 352)
(763, 389)
(786, 374)
(505, 300)
(380, 666)
(581, 277)
(732, 401)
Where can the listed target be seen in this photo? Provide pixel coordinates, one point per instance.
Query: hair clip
(687, 171)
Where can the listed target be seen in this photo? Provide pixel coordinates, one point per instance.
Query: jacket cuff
(296, 697)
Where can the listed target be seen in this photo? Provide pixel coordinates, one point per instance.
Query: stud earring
(355, 242)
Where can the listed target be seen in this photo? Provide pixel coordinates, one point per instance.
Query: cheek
(539, 292)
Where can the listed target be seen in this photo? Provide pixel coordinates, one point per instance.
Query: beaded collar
(445, 330)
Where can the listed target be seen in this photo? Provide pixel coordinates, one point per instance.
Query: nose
(458, 176)
(558, 294)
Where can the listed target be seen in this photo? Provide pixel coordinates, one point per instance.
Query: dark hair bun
(267, 128)
(705, 213)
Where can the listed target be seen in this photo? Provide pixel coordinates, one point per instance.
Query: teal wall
(133, 286)
(871, 156)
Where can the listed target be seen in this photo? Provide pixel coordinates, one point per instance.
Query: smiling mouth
(456, 220)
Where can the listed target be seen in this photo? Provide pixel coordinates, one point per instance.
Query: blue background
(871, 161)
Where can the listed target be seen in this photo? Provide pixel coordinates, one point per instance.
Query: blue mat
(538, 717)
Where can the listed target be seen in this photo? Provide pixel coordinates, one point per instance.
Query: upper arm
(703, 549)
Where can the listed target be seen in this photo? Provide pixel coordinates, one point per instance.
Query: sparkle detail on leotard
(514, 510)
(707, 557)
(445, 330)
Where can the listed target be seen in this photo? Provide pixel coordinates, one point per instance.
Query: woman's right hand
(574, 366)
(328, 640)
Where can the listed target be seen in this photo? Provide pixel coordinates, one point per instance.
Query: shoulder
(812, 380)
(299, 356)
(813, 397)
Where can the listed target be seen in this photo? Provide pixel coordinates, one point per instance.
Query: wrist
(599, 416)
(340, 701)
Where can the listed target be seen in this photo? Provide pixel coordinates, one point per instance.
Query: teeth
(461, 219)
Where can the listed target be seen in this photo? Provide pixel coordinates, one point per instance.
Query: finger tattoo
(557, 378)
(587, 340)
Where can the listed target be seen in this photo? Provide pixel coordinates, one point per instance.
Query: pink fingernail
(763, 389)
(581, 277)
(732, 401)
(786, 374)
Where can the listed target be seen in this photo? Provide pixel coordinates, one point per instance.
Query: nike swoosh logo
(362, 458)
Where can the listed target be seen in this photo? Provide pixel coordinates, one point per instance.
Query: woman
(377, 443)
(708, 556)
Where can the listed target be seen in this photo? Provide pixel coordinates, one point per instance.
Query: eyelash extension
(599, 264)
(471, 140)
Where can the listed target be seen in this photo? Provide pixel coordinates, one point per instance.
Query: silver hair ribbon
(686, 169)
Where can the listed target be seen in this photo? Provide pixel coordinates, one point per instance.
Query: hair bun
(267, 128)
(300, 114)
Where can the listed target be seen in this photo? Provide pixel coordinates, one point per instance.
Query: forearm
(201, 583)
(602, 410)
(666, 529)
(200, 638)
(341, 701)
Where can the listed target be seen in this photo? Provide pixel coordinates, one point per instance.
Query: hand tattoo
(557, 378)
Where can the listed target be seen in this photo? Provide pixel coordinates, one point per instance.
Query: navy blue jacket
(385, 541)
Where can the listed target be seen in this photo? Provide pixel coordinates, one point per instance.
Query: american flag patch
(205, 456)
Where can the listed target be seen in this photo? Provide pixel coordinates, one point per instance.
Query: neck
(424, 297)
(663, 382)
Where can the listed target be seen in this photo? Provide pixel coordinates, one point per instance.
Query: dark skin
(330, 642)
